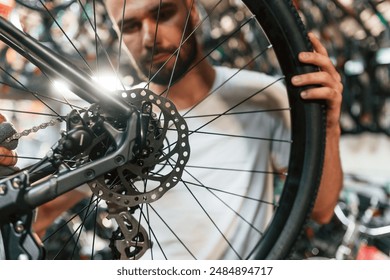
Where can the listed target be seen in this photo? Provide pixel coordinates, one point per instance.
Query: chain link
(34, 129)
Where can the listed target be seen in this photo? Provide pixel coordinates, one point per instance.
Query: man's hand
(329, 88)
(328, 79)
(8, 157)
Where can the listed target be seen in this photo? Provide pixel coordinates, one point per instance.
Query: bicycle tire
(299, 208)
(287, 35)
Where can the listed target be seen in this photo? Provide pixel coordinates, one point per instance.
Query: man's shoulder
(239, 84)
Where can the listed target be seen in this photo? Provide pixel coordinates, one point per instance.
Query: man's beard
(160, 74)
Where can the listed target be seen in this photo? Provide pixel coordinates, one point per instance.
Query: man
(150, 43)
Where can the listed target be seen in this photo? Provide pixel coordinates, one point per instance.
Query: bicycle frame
(19, 194)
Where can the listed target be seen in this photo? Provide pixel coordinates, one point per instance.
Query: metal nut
(16, 183)
(3, 189)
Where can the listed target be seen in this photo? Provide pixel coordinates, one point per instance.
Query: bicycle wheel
(234, 175)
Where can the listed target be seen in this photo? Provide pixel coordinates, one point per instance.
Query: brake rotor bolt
(19, 227)
(3, 189)
(89, 173)
(75, 119)
(16, 183)
(119, 159)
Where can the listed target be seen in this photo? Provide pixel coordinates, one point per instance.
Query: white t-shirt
(239, 165)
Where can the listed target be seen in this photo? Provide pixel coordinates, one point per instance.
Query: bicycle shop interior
(356, 34)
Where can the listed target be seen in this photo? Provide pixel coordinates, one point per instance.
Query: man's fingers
(7, 157)
(316, 78)
(321, 61)
(325, 93)
(317, 45)
(7, 130)
(2, 118)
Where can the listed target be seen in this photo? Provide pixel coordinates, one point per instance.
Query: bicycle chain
(34, 129)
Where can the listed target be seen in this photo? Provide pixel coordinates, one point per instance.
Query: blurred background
(357, 36)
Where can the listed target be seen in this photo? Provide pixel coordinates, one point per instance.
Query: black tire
(288, 37)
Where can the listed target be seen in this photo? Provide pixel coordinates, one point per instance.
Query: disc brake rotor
(159, 159)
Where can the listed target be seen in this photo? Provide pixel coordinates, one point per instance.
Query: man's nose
(149, 37)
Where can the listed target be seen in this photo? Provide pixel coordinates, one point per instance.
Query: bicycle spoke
(154, 44)
(86, 211)
(236, 212)
(179, 49)
(186, 183)
(171, 230)
(234, 170)
(230, 193)
(152, 234)
(237, 136)
(237, 113)
(184, 41)
(213, 222)
(67, 37)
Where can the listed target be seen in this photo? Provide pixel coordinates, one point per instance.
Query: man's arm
(330, 89)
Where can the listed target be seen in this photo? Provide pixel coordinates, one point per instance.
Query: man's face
(139, 21)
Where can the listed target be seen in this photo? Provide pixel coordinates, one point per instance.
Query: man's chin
(161, 81)
(162, 78)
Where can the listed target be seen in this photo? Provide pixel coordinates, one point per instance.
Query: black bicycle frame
(57, 66)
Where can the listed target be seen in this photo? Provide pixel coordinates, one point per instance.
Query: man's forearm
(331, 180)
